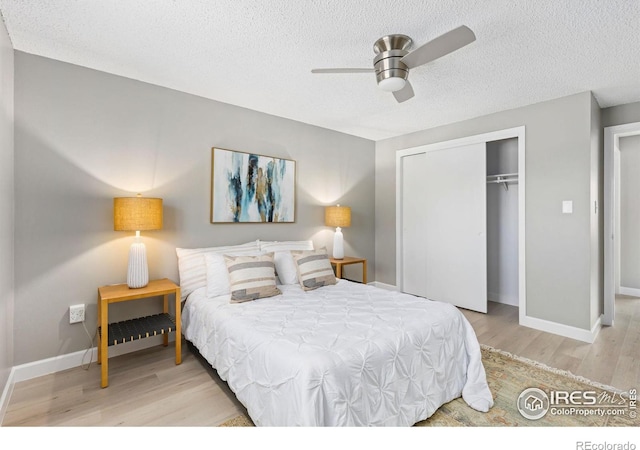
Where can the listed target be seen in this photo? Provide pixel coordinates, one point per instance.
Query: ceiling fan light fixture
(391, 72)
(392, 84)
(394, 59)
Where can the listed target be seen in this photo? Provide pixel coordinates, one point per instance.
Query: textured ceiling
(259, 54)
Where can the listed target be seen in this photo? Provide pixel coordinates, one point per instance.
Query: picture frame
(251, 188)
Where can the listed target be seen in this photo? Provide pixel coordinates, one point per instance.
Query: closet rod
(503, 175)
(503, 179)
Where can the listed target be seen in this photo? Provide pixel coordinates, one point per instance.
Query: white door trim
(612, 137)
(517, 132)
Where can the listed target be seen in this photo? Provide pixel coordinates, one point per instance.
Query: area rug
(508, 376)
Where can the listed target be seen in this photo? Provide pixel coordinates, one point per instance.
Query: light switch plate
(567, 206)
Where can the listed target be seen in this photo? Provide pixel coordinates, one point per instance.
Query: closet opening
(502, 224)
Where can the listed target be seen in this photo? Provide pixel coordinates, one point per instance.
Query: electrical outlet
(76, 313)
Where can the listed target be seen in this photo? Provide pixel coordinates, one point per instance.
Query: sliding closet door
(450, 249)
(414, 216)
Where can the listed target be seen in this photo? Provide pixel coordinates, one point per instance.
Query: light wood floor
(146, 388)
(613, 359)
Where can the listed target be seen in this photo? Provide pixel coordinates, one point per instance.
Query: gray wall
(6, 207)
(629, 212)
(621, 114)
(83, 137)
(558, 167)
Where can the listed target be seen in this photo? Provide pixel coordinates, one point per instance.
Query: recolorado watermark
(534, 404)
(588, 445)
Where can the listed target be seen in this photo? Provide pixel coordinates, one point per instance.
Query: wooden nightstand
(140, 328)
(339, 263)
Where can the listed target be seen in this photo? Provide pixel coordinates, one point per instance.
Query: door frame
(612, 137)
(516, 132)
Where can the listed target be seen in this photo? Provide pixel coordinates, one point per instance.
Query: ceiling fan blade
(342, 70)
(440, 46)
(405, 93)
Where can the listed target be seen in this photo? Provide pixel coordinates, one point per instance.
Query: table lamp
(137, 214)
(339, 217)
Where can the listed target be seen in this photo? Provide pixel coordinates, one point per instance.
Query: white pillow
(192, 268)
(217, 273)
(285, 266)
(273, 246)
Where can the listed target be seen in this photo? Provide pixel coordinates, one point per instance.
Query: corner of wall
(6, 209)
(597, 151)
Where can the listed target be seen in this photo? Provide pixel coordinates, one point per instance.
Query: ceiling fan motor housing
(389, 51)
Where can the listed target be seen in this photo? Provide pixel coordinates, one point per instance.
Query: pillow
(314, 269)
(251, 277)
(271, 246)
(285, 267)
(217, 274)
(192, 268)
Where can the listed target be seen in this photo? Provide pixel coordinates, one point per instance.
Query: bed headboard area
(205, 266)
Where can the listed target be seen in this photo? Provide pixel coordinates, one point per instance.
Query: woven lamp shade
(137, 214)
(337, 216)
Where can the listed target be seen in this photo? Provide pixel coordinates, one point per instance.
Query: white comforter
(343, 355)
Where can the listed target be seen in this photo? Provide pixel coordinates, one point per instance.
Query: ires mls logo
(533, 403)
(585, 398)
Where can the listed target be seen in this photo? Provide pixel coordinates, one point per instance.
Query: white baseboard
(388, 287)
(48, 366)
(6, 395)
(69, 361)
(532, 322)
(579, 334)
(629, 291)
(504, 299)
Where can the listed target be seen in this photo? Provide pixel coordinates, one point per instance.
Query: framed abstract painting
(251, 188)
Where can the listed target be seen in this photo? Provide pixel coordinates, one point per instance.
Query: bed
(342, 354)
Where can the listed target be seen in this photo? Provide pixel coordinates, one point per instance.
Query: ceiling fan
(393, 59)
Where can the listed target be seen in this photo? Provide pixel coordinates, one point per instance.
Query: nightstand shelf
(140, 328)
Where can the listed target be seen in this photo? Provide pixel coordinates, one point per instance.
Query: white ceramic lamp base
(338, 244)
(138, 272)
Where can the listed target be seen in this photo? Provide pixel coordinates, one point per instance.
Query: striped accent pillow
(251, 277)
(314, 268)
